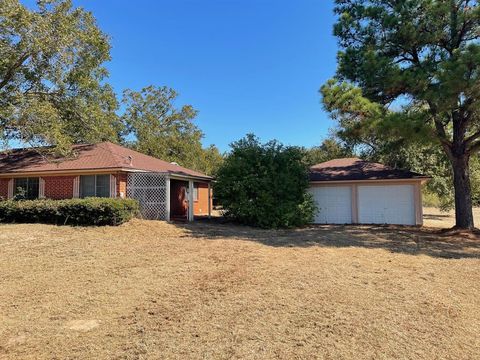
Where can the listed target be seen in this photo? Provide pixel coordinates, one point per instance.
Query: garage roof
(358, 169)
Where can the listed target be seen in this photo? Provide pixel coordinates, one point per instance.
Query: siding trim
(354, 204)
(418, 205)
(76, 187)
(113, 186)
(167, 198)
(74, 172)
(366, 182)
(41, 188)
(10, 188)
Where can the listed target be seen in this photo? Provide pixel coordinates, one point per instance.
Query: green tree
(156, 127)
(425, 157)
(51, 76)
(475, 178)
(211, 162)
(411, 68)
(53, 90)
(264, 184)
(331, 148)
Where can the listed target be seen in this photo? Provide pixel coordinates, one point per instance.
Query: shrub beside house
(88, 211)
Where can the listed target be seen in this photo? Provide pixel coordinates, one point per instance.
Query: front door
(178, 198)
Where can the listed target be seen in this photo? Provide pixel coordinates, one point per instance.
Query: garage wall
(395, 190)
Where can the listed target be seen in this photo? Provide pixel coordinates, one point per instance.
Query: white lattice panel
(150, 189)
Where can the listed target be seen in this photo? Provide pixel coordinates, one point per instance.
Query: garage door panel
(334, 204)
(386, 204)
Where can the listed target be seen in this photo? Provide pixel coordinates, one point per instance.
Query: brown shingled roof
(104, 155)
(358, 169)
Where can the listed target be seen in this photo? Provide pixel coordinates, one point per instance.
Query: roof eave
(60, 172)
(66, 172)
(346, 181)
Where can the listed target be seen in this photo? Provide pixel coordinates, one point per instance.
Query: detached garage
(353, 191)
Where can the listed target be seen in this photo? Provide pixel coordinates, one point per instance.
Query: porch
(170, 197)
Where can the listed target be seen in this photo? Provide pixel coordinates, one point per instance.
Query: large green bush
(89, 211)
(264, 185)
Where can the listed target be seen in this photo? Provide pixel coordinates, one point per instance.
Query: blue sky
(245, 65)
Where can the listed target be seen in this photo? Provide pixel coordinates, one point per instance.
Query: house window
(195, 192)
(94, 185)
(27, 188)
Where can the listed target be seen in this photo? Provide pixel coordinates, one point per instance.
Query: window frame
(95, 186)
(27, 187)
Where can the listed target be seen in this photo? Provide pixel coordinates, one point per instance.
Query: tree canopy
(54, 90)
(331, 148)
(410, 70)
(158, 128)
(51, 76)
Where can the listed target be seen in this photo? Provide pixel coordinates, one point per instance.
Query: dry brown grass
(211, 291)
(433, 217)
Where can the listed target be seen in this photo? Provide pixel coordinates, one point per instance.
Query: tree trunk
(463, 193)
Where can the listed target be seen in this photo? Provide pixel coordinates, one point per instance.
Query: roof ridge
(337, 159)
(139, 153)
(109, 149)
(166, 163)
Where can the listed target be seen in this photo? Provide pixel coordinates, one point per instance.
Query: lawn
(433, 217)
(213, 291)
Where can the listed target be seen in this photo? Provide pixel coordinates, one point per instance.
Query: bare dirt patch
(83, 325)
(209, 290)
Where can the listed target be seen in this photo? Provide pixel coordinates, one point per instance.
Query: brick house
(163, 189)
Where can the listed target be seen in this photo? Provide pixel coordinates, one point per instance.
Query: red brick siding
(121, 184)
(61, 187)
(200, 206)
(4, 188)
(58, 187)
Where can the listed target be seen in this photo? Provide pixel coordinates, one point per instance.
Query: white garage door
(387, 204)
(334, 204)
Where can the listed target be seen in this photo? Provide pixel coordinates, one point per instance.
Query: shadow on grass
(397, 239)
(436, 216)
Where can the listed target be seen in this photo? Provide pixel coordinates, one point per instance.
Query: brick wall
(58, 187)
(121, 184)
(61, 187)
(200, 207)
(4, 188)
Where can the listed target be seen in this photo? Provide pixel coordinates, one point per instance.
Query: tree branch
(11, 71)
(474, 148)
(441, 133)
(472, 138)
